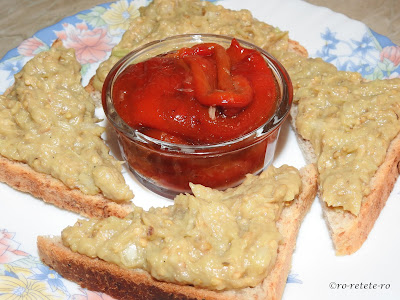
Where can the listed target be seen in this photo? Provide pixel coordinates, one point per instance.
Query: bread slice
(24, 178)
(349, 232)
(98, 275)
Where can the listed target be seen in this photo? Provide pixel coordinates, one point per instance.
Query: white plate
(316, 273)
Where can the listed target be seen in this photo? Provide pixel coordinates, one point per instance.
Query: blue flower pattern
(53, 279)
(292, 278)
(362, 55)
(11, 66)
(330, 44)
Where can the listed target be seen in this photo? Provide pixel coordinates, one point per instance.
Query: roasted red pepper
(199, 95)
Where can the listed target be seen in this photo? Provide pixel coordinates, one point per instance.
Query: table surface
(20, 19)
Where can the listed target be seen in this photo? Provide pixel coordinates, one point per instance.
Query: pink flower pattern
(90, 45)
(31, 47)
(89, 295)
(9, 248)
(391, 53)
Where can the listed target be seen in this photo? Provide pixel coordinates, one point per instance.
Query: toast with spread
(127, 283)
(349, 128)
(50, 144)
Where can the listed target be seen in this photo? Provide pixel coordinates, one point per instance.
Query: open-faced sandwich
(349, 128)
(235, 244)
(50, 142)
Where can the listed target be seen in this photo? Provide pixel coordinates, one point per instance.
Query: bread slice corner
(349, 232)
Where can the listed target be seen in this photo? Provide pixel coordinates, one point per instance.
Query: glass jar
(168, 168)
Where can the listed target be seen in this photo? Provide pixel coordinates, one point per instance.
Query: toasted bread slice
(349, 232)
(98, 275)
(22, 177)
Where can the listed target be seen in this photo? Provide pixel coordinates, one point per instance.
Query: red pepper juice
(205, 97)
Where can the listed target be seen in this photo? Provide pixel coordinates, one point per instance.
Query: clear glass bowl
(167, 168)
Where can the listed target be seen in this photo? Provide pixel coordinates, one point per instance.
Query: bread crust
(98, 275)
(51, 190)
(349, 232)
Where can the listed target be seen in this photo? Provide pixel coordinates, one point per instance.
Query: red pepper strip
(237, 97)
(223, 63)
(233, 91)
(237, 53)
